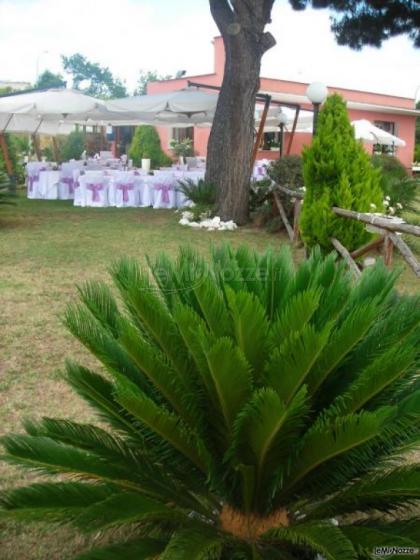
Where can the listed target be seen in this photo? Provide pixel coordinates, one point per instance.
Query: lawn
(46, 248)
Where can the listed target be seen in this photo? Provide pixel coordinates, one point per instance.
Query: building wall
(404, 124)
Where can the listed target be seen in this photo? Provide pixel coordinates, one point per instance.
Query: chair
(32, 180)
(95, 185)
(66, 183)
(164, 191)
(124, 190)
(48, 184)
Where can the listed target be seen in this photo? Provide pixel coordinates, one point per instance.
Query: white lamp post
(316, 93)
(283, 120)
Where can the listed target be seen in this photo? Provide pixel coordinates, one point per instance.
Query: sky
(172, 35)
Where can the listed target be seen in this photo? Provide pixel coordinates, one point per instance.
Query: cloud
(169, 35)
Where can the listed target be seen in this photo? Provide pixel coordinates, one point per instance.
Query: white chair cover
(66, 184)
(79, 188)
(95, 185)
(48, 184)
(164, 191)
(33, 169)
(124, 190)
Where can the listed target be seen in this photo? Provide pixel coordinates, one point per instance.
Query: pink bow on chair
(31, 180)
(164, 188)
(95, 188)
(125, 187)
(69, 181)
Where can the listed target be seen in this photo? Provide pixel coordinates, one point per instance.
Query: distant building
(15, 85)
(392, 113)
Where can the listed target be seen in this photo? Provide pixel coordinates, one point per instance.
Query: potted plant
(182, 148)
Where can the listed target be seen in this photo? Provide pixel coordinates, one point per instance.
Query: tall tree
(48, 80)
(241, 24)
(146, 76)
(93, 79)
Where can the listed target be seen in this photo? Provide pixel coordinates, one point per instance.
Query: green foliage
(287, 171)
(73, 146)
(337, 172)
(371, 23)
(183, 147)
(146, 145)
(244, 403)
(146, 76)
(48, 80)
(101, 82)
(202, 194)
(12, 148)
(6, 189)
(396, 182)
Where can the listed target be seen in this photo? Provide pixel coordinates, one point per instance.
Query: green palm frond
(247, 406)
(62, 501)
(322, 538)
(193, 545)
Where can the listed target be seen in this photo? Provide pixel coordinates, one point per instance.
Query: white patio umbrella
(188, 103)
(368, 132)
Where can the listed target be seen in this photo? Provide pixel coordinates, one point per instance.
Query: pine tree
(337, 172)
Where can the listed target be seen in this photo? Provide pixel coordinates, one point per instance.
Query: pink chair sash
(125, 187)
(95, 188)
(164, 188)
(31, 180)
(69, 181)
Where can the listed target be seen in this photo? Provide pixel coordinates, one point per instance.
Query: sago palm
(254, 410)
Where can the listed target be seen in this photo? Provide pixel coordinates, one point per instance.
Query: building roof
(371, 107)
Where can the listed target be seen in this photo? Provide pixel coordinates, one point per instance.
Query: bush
(146, 145)
(7, 190)
(396, 183)
(74, 146)
(337, 172)
(287, 172)
(417, 153)
(248, 410)
(202, 194)
(18, 172)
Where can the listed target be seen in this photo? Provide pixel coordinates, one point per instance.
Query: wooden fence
(388, 232)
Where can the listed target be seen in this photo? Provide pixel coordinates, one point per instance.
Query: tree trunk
(231, 139)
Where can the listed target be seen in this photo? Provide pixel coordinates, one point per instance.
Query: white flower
(385, 203)
(184, 222)
(187, 215)
(391, 210)
(388, 198)
(399, 206)
(334, 521)
(373, 206)
(303, 189)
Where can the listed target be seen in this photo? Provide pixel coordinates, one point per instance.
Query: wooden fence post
(296, 217)
(388, 250)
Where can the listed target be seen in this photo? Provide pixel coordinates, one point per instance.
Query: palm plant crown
(255, 410)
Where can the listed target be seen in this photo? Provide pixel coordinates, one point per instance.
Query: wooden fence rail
(387, 230)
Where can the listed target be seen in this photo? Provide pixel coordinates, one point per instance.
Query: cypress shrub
(74, 146)
(146, 145)
(337, 172)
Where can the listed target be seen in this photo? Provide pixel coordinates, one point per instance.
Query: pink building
(395, 114)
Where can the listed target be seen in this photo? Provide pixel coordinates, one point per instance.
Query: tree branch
(222, 14)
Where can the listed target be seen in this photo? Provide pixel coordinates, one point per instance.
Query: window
(180, 134)
(388, 126)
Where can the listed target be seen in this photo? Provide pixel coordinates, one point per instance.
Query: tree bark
(229, 153)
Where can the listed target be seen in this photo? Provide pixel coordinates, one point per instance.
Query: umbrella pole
(260, 129)
(35, 140)
(292, 134)
(55, 149)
